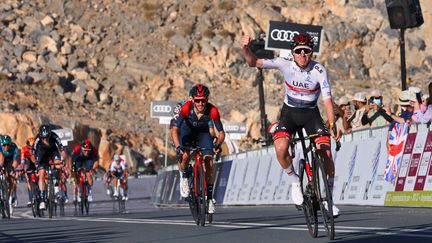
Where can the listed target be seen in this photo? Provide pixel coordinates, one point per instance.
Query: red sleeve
(214, 113)
(184, 112)
(76, 149)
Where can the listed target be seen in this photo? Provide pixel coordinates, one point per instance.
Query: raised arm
(251, 59)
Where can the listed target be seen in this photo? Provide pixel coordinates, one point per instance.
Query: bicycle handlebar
(313, 136)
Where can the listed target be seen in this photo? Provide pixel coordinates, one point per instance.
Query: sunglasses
(306, 51)
(200, 101)
(347, 104)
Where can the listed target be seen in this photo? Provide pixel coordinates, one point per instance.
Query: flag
(398, 136)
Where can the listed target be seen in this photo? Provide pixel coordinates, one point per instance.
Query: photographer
(423, 109)
(374, 111)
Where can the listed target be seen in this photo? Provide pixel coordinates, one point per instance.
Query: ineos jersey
(302, 86)
(187, 115)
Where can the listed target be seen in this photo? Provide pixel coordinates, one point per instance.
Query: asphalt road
(145, 223)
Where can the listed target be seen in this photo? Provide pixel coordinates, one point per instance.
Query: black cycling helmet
(302, 39)
(44, 131)
(199, 91)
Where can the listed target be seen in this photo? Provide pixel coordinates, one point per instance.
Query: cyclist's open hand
(245, 40)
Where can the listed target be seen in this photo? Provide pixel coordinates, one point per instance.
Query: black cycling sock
(42, 193)
(209, 191)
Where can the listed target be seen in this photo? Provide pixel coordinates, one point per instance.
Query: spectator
(359, 102)
(407, 111)
(342, 112)
(372, 116)
(423, 111)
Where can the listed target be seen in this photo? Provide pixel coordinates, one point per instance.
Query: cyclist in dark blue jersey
(192, 127)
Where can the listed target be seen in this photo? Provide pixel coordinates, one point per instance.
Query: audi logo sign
(280, 34)
(162, 109)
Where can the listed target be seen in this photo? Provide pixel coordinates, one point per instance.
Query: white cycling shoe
(296, 193)
(336, 211)
(184, 187)
(42, 206)
(211, 206)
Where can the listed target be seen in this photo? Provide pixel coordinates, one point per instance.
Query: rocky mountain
(99, 63)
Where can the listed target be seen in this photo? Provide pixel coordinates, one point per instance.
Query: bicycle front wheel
(325, 198)
(202, 195)
(50, 199)
(309, 209)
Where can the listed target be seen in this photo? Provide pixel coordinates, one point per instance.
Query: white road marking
(240, 225)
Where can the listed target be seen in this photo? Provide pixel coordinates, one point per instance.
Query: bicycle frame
(196, 167)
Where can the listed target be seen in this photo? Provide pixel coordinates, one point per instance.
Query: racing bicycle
(4, 195)
(314, 185)
(198, 188)
(119, 200)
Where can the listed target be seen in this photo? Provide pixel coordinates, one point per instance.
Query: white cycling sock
(290, 172)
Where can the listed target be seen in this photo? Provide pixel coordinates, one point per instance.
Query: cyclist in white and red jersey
(305, 80)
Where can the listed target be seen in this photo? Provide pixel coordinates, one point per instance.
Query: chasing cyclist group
(46, 150)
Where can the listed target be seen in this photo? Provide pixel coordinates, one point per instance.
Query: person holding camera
(373, 110)
(343, 112)
(359, 102)
(423, 109)
(305, 79)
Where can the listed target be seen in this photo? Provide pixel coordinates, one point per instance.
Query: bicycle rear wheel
(202, 196)
(309, 209)
(324, 197)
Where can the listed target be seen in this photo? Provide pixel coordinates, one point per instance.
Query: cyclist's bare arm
(251, 60)
(328, 105)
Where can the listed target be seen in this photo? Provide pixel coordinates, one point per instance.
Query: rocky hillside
(100, 63)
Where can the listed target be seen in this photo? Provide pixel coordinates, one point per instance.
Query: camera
(257, 47)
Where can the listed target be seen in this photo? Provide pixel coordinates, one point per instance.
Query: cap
(375, 93)
(406, 96)
(116, 157)
(342, 101)
(415, 90)
(359, 97)
(425, 96)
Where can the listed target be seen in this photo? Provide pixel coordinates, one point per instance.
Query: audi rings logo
(162, 108)
(283, 35)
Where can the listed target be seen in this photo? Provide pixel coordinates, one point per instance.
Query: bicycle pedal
(299, 207)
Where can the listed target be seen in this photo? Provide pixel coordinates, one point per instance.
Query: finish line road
(145, 223)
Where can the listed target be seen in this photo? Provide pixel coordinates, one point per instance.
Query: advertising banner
(406, 158)
(221, 182)
(263, 175)
(280, 34)
(235, 181)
